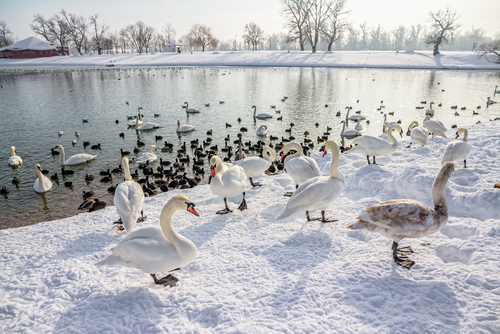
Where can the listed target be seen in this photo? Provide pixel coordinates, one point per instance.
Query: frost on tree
(444, 24)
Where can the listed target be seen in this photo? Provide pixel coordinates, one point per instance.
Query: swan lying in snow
(254, 166)
(227, 181)
(417, 134)
(76, 159)
(155, 249)
(42, 183)
(406, 218)
(437, 128)
(14, 160)
(458, 149)
(300, 167)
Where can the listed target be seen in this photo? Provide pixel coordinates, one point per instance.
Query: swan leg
(403, 259)
(408, 145)
(256, 184)
(243, 204)
(167, 280)
(142, 218)
(465, 163)
(226, 210)
(307, 215)
(322, 219)
(374, 160)
(289, 193)
(368, 158)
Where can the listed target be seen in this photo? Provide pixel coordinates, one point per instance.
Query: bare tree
(399, 37)
(352, 38)
(375, 36)
(296, 13)
(253, 35)
(414, 36)
(315, 21)
(98, 31)
(491, 49)
(365, 31)
(6, 38)
(78, 27)
(54, 30)
(139, 35)
(201, 36)
(169, 33)
(444, 23)
(335, 23)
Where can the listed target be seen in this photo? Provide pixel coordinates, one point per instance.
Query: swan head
(182, 203)
(153, 147)
(38, 168)
(459, 132)
(330, 145)
(58, 147)
(427, 118)
(214, 161)
(178, 123)
(396, 127)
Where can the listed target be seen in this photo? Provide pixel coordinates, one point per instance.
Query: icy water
(36, 106)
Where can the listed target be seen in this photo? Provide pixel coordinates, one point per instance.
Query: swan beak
(324, 152)
(408, 132)
(39, 168)
(401, 133)
(457, 135)
(213, 171)
(282, 156)
(55, 148)
(192, 210)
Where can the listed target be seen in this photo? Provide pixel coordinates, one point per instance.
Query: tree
(54, 30)
(78, 28)
(491, 49)
(98, 31)
(352, 38)
(296, 13)
(444, 23)
(315, 21)
(335, 23)
(253, 35)
(414, 36)
(6, 38)
(169, 33)
(201, 36)
(365, 31)
(139, 35)
(399, 37)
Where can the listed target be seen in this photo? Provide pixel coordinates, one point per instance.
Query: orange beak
(213, 171)
(192, 210)
(55, 147)
(282, 156)
(324, 152)
(408, 132)
(457, 135)
(40, 169)
(401, 133)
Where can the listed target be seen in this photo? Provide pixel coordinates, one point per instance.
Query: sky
(227, 18)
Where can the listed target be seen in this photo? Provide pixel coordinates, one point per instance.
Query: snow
(256, 275)
(30, 43)
(456, 60)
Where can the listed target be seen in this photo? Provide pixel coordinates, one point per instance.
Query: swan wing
(128, 200)
(419, 134)
(456, 150)
(302, 169)
(15, 160)
(370, 142)
(318, 190)
(79, 159)
(253, 166)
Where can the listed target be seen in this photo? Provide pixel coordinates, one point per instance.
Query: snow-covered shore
(256, 275)
(455, 60)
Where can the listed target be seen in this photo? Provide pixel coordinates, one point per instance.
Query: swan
(353, 117)
(496, 91)
(406, 218)
(14, 160)
(317, 192)
(358, 126)
(375, 146)
(349, 133)
(145, 125)
(254, 166)
(437, 128)
(458, 149)
(262, 130)
(42, 183)
(386, 124)
(227, 182)
(136, 119)
(490, 101)
(76, 159)
(261, 115)
(240, 154)
(430, 111)
(184, 128)
(417, 134)
(300, 167)
(155, 249)
(129, 199)
(148, 156)
(191, 110)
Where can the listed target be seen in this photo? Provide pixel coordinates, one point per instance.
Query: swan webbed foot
(402, 259)
(141, 219)
(289, 193)
(322, 219)
(119, 221)
(243, 204)
(167, 280)
(223, 212)
(255, 184)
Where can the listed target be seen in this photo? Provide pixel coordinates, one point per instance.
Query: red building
(30, 47)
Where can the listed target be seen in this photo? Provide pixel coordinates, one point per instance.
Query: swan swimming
(76, 159)
(261, 115)
(14, 160)
(458, 149)
(349, 133)
(136, 119)
(145, 125)
(191, 110)
(148, 156)
(353, 117)
(262, 130)
(42, 183)
(184, 128)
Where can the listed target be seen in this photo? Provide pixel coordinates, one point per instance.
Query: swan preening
(261, 115)
(458, 149)
(317, 192)
(42, 183)
(349, 133)
(227, 181)
(76, 159)
(191, 110)
(148, 156)
(417, 134)
(14, 160)
(300, 167)
(437, 128)
(262, 130)
(137, 119)
(184, 128)
(156, 249)
(254, 166)
(375, 146)
(406, 218)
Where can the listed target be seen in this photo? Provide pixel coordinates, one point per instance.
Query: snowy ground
(456, 60)
(256, 275)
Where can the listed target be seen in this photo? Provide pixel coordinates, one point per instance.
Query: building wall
(26, 54)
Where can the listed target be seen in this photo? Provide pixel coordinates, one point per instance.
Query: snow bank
(256, 275)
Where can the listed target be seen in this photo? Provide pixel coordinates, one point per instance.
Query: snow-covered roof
(30, 43)
(174, 44)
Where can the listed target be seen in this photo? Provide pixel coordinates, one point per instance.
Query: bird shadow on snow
(200, 234)
(393, 303)
(84, 245)
(130, 311)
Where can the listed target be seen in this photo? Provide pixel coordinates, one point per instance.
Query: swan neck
(334, 168)
(166, 224)
(412, 125)
(219, 168)
(391, 137)
(254, 110)
(126, 171)
(347, 115)
(466, 134)
(438, 192)
(63, 158)
(343, 127)
(295, 147)
(13, 151)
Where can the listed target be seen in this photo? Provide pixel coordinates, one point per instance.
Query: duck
(490, 101)
(406, 218)
(184, 128)
(474, 113)
(261, 115)
(170, 249)
(87, 194)
(241, 153)
(349, 133)
(88, 177)
(358, 125)
(15, 180)
(375, 146)
(261, 130)
(60, 133)
(54, 152)
(55, 176)
(42, 183)
(124, 152)
(417, 134)
(227, 182)
(76, 159)
(300, 167)
(319, 192)
(4, 190)
(191, 110)
(96, 147)
(254, 166)
(136, 119)
(92, 205)
(148, 156)
(145, 125)
(458, 149)
(437, 128)
(430, 111)
(14, 160)
(353, 117)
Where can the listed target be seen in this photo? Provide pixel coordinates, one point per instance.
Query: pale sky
(227, 18)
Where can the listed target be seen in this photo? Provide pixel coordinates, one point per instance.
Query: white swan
(406, 218)
(261, 115)
(227, 182)
(14, 160)
(76, 159)
(42, 183)
(417, 134)
(148, 156)
(458, 149)
(191, 110)
(129, 199)
(496, 91)
(300, 167)
(254, 166)
(184, 128)
(386, 124)
(262, 130)
(349, 133)
(437, 128)
(137, 119)
(375, 146)
(145, 125)
(353, 117)
(155, 249)
(430, 111)
(358, 126)
(318, 192)
(490, 101)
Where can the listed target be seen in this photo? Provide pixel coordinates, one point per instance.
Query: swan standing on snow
(137, 119)
(406, 218)
(417, 134)
(145, 125)
(129, 199)
(458, 149)
(353, 117)
(318, 192)
(227, 182)
(148, 156)
(349, 133)
(155, 249)
(42, 183)
(254, 166)
(262, 130)
(437, 128)
(375, 146)
(300, 167)
(184, 128)
(261, 115)
(14, 160)
(358, 126)
(76, 159)
(191, 110)
(430, 111)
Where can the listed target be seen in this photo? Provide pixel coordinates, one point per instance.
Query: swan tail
(356, 226)
(287, 212)
(109, 261)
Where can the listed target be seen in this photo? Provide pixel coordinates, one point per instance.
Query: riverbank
(448, 60)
